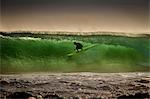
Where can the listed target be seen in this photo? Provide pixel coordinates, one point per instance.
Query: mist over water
(70, 15)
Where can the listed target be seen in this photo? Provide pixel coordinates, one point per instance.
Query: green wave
(111, 54)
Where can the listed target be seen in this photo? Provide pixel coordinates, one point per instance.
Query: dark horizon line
(104, 33)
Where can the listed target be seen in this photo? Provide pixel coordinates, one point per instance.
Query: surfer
(78, 46)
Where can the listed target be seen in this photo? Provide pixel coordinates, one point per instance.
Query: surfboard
(84, 49)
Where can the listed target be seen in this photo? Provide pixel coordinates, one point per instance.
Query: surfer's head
(75, 43)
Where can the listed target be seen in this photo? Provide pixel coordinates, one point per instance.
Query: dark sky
(75, 15)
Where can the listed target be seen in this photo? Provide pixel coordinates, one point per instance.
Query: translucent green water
(111, 54)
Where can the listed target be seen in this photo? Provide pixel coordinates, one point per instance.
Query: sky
(75, 15)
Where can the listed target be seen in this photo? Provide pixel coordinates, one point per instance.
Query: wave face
(110, 54)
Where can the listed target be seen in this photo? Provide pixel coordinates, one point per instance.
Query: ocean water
(50, 54)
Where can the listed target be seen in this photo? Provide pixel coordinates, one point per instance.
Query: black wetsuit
(78, 46)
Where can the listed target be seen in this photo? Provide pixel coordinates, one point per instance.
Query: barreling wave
(111, 54)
